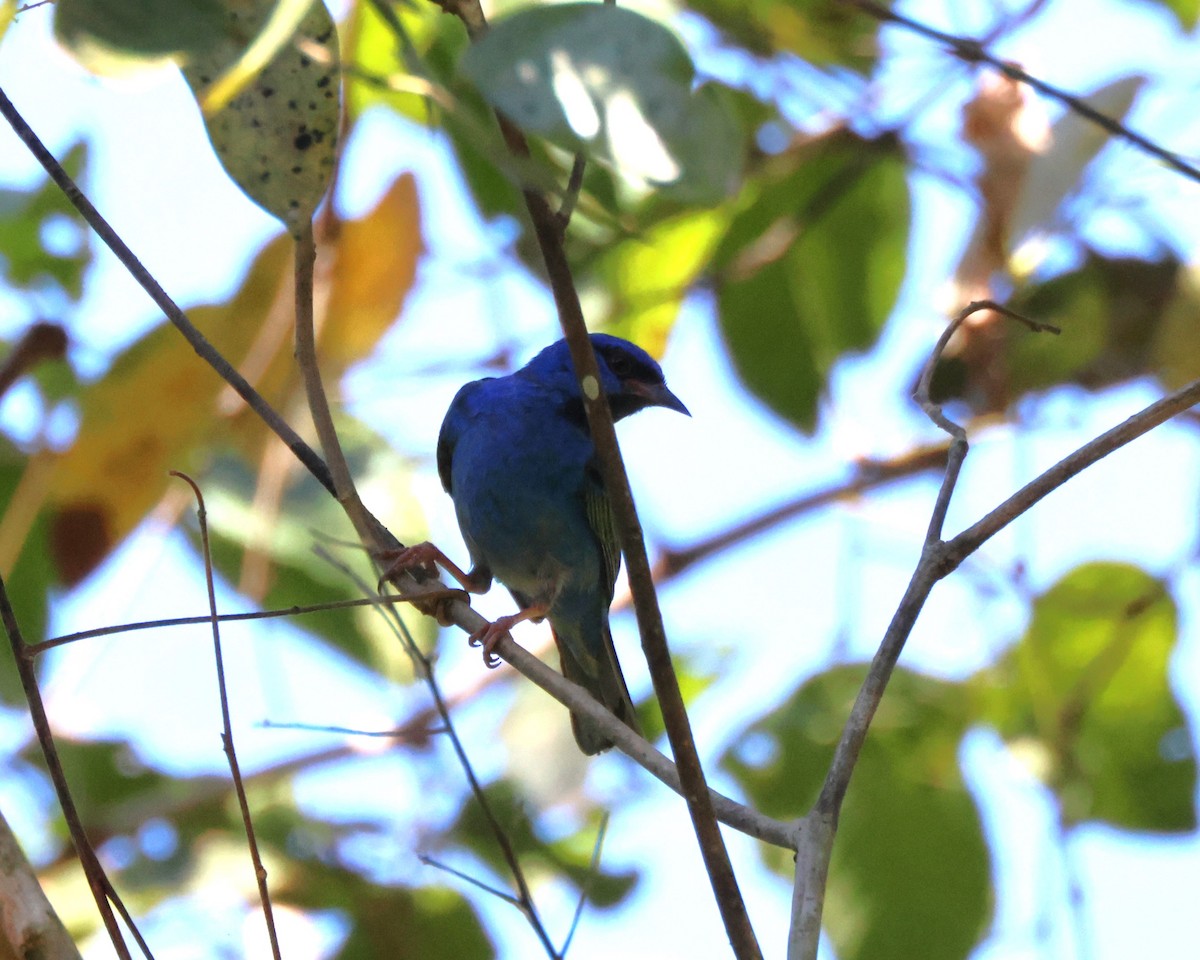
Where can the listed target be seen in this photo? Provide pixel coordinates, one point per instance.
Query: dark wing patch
(600, 518)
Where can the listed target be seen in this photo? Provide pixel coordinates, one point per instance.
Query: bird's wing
(600, 518)
(456, 420)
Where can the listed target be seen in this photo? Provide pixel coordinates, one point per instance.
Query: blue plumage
(515, 455)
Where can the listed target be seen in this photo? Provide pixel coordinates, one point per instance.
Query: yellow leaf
(158, 404)
(647, 277)
(146, 416)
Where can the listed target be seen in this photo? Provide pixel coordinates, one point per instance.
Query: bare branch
(585, 888)
(34, 649)
(473, 881)
(742, 818)
(1159, 412)
(868, 474)
(463, 615)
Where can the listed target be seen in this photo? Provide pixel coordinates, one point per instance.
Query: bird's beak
(657, 395)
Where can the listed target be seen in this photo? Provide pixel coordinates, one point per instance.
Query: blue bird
(516, 457)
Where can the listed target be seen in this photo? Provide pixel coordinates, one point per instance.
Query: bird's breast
(519, 505)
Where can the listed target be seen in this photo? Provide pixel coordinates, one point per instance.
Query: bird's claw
(488, 637)
(419, 559)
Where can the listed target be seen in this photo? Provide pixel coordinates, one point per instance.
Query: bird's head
(632, 379)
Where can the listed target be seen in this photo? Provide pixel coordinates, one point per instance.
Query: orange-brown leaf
(374, 268)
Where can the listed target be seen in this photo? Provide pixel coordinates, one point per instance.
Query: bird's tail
(601, 676)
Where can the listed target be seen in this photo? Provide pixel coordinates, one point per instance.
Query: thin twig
(33, 649)
(424, 669)
(958, 445)
(1157, 413)
(585, 887)
(473, 881)
(260, 872)
(370, 530)
(868, 475)
(973, 51)
(92, 869)
(399, 734)
(740, 817)
(571, 195)
(123, 911)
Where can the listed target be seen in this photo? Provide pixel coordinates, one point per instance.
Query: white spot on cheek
(591, 387)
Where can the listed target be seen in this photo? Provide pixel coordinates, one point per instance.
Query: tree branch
(29, 927)
(960, 547)
(812, 860)
(548, 228)
(938, 559)
(973, 51)
(97, 881)
(868, 474)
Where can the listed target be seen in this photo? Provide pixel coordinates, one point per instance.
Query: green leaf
(276, 138)
(910, 874)
(610, 82)
(104, 33)
(641, 280)
(425, 48)
(400, 922)
(429, 923)
(811, 266)
(1175, 352)
(1187, 12)
(568, 858)
(826, 33)
(1085, 695)
(28, 582)
(25, 259)
(105, 777)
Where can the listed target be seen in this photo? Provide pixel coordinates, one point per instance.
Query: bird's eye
(619, 364)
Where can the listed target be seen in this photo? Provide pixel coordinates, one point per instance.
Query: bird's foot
(421, 561)
(488, 637)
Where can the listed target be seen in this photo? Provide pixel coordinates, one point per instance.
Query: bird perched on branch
(516, 456)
